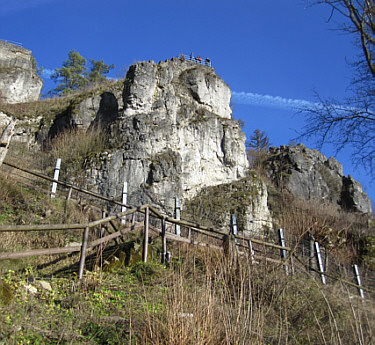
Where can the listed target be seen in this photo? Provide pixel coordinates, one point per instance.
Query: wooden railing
(243, 244)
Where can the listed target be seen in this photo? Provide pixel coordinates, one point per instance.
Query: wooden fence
(243, 244)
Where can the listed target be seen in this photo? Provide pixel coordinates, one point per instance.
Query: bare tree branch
(351, 122)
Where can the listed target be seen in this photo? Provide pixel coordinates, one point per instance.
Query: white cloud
(269, 101)
(12, 6)
(278, 102)
(47, 72)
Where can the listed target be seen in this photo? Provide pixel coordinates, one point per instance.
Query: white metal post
(359, 282)
(177, 216)
(55, 177)
(283, 251)
(233, 221)
(124, 200)
(251, 250)
(320, 262)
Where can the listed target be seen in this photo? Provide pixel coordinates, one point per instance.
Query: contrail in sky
(12, 6)
(268, 101)
(278, 102)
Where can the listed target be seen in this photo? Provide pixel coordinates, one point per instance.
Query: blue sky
(271, 53)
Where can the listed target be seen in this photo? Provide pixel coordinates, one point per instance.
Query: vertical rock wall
(175, 136)
(19, 81)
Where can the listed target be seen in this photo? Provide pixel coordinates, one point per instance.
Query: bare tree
(352, 121)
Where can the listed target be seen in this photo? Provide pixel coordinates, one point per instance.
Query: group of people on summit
(197, 59)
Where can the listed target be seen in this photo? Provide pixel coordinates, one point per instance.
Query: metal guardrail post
(283, 251)
(145, 240)
(164, 241)
(359, 282)
(320, 263)
(55, 177)
(124, 200)
(178, 216)
(233, 221)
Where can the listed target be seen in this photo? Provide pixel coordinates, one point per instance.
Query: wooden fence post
(145, 240)
(320, 263)
(358, 279)
(312, 260)
(69, 195)
(102, 228)
(164, 241)
(83, 252)
(177, 216)
(283, 251)
(124, 200)
(55, 177)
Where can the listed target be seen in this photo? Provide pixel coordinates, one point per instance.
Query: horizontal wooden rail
(208, 231)
(54, 251)
(67, 185)
(47, 227)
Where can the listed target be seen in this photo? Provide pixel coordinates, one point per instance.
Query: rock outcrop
(175, 135)
(98, 106)
(246, 198)
(19, 81)
(310, 175)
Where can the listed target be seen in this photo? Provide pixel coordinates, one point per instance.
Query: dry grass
(209, 302)
(202, 298)
(74, 146)
(199, 299)
(340, 232)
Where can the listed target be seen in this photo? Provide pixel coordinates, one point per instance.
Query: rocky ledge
(310, 175)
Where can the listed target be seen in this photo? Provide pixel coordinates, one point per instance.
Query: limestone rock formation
(98, 106)
(310, 175)
(246, 198)
(175, 136)
(19, 81)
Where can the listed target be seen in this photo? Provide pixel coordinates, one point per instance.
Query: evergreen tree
(72, 76)
(258, 141)
(97, 71)
(257, 149)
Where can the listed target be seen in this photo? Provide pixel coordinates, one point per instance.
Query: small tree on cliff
(257, 148)
(72, 75)
(97, 71)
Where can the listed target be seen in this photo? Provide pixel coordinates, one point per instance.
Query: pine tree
(258, 141)
(257, 149)
(72, 76)
(97, 71)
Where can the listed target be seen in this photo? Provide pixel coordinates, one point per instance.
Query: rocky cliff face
(175, 135)
(310, 175)
(171, 134)
(18, 79)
